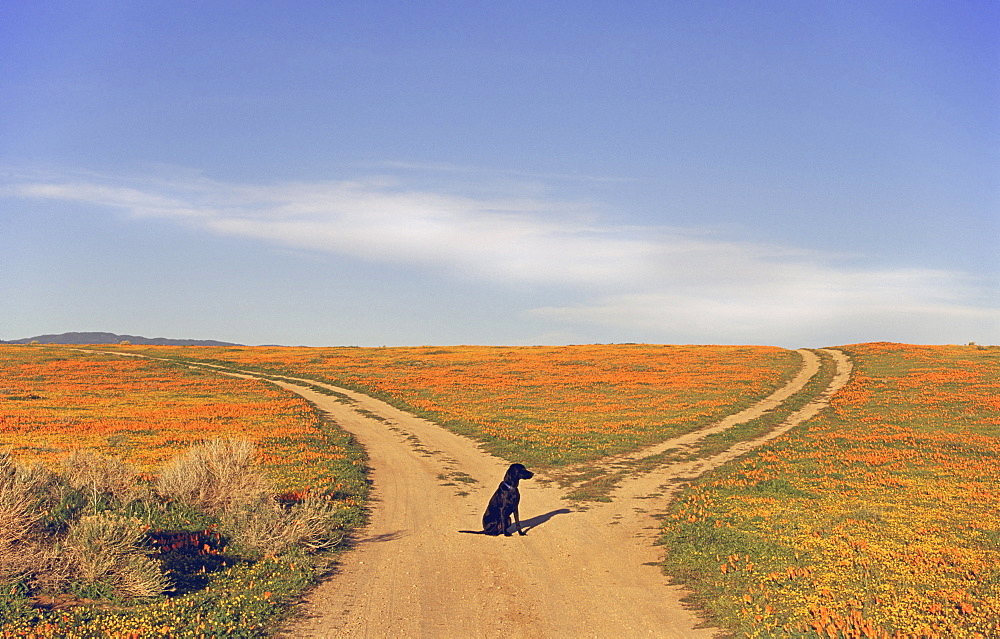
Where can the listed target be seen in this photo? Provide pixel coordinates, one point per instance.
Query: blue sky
(323, 173)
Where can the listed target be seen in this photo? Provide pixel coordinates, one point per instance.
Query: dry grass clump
(221, 478)
(102, 476)
(46, 541)
(107, 548)
(270, 530)
(19, 515)
(216, 476)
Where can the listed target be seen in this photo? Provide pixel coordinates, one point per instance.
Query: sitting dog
(504, 503)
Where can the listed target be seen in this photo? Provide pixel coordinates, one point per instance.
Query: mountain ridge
(114, 338)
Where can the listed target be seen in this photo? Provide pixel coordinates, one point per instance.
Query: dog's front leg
(517, 520)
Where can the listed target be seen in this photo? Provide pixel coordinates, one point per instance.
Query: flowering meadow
(544, 405)
(142, 413)
(145, 411)
(877, 518)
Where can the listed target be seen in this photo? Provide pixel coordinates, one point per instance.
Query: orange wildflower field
(878, 518)
(145, 411)
(545, 405)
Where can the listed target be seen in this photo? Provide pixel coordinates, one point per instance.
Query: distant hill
(111, 338)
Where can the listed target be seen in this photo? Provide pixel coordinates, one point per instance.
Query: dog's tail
(473, 532)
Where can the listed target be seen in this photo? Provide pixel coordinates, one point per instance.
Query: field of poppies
(548, 406)
(145, 411)
(878, 518)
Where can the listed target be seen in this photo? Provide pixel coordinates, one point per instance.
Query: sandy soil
(577, 573)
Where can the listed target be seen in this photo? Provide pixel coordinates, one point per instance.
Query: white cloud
(659, 282)
(824, 304)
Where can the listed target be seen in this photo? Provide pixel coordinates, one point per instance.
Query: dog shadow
(538, 520)
(528, 524)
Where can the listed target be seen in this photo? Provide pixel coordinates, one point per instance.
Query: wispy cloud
(664, 283)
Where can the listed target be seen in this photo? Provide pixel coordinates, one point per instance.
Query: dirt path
(412, 574)
(580, 572)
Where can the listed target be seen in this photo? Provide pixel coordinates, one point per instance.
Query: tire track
(690, 469)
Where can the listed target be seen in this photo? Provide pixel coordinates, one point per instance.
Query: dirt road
(578, 573)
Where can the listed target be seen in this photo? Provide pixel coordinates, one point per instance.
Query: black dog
(504, 503)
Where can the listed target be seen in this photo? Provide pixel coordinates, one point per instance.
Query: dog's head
(518, 471)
